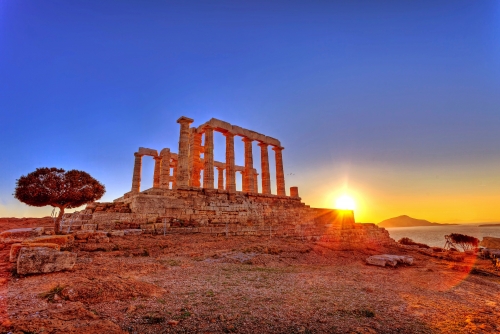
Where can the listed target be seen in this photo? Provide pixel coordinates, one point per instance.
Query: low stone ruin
(34, 253)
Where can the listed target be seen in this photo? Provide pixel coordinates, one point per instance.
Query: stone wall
(219, 212)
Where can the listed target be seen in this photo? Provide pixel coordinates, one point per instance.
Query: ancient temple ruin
(182, 201)
(188, 164)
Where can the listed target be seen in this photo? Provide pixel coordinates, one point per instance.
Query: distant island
(406, 221)
(487, 225)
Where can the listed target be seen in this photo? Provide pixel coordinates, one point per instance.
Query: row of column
(186, 178)
(161, 176)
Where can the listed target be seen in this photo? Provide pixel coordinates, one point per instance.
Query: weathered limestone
(165, 169)
(208, 172)
(280, 174)
(36, 260)
(294, 191)
(136, 178)
(182, 179)
(220, 178)
(248, 166)
(157, 172)
(16, 248)
(391, 260)
(266, 177)
(230, 171)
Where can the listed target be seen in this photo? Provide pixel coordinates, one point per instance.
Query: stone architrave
(208, 172)
(157, 172)
(195, 160)
(136, 178)
(266, 176)
(248, 165)
(230, 169)
(280, 174)
(165, 169)
(220, 178)
(182, 178)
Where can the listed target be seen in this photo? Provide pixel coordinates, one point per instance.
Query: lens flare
(345, 202)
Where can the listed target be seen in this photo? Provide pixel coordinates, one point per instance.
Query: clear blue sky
(394, 102)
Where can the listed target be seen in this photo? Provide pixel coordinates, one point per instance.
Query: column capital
(137, 154)
(158, 158)
(247, 140)
(184, 119)
(228, 134)
(278, 148)
(262, 144)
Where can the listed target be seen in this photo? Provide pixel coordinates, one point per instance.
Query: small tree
(466, 242)
(58, 188)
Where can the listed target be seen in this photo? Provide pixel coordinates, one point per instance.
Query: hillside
(406, 221)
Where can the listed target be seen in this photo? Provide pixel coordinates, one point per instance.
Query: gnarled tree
(466, 242)
(58, 188)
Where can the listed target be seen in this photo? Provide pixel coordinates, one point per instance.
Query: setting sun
(345, 202)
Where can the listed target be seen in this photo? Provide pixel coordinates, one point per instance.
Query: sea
(434, 235)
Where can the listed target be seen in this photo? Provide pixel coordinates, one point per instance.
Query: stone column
(248, 164)
(195, 160)
(230, 171)
(243, 182)
(220, 178)
(136, 177)
(157, 172)
(255, 181)
(165, 169)
(208, 172)
(182, 178)
(266, 176)
(280, 174)
(294, 191)
(174, 182)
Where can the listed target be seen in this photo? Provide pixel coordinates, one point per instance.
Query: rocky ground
(202, 284)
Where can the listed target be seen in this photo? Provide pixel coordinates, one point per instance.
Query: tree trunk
(58, 220)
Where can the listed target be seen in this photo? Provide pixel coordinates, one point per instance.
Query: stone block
(16, 248)
(37, 260)
(116, 233)
(147, 226)
(62, 240)
(83, 235)
(106, 226)
(17, 235)
(89, 227)
(132, 232)
(391, 260)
